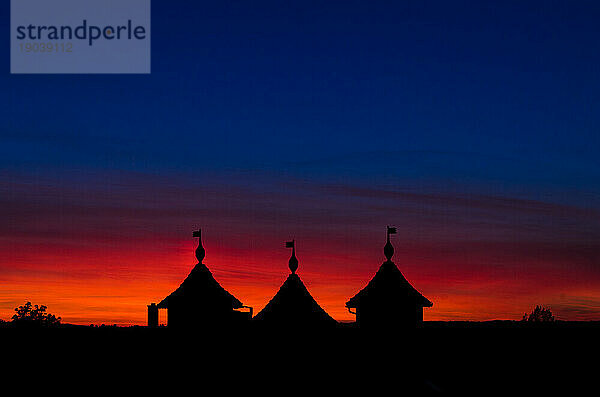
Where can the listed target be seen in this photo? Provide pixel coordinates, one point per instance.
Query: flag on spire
(200, 252)
(289, 244)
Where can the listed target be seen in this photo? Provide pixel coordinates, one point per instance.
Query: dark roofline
(189, 289)
(404, 288)
(276, 306)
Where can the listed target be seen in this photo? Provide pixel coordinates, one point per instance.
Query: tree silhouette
(538, 315)
(29, 315)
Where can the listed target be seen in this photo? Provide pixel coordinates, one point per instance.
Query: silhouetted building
(152, 315)
(389, 300)
(293, 305)
(200, 300)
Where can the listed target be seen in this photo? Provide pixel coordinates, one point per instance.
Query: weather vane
(388, 249)
(200, 252)
(293, 263)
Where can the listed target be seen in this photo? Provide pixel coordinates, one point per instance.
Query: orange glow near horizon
(98, 254)
(100, 287)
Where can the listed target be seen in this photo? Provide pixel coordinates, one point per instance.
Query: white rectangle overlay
(80, 36)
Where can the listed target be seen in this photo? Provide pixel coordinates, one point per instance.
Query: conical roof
(293, 304)
(200, 288)
(388, 286)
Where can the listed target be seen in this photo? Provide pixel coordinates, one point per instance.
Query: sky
(473, 127)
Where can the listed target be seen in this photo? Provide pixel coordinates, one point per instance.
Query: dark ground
(483, 358)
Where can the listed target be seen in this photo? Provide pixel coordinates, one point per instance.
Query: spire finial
(388, 249)
(200, 252)
(293, 262)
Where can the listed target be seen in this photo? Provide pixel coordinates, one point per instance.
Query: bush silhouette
(35, 316)
(539, 315)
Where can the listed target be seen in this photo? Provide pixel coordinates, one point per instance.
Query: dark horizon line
(8, 324)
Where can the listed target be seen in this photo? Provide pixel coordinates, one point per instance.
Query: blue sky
(261, 84)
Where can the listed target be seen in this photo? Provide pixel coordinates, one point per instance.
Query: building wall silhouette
(388, 300)
(200, 301)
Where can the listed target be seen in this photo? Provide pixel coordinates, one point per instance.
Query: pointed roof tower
(293, 305)
(200, 288)
(388, 286)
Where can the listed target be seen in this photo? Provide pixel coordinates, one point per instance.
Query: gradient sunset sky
(473, 128)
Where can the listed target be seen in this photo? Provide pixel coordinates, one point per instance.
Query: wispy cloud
(123, 227)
